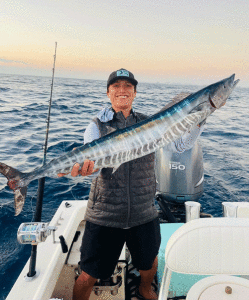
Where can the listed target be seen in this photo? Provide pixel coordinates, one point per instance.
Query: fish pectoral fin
(115, 168)
(19, 195)
(200, 113)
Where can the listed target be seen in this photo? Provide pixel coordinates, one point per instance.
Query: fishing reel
(34, 232)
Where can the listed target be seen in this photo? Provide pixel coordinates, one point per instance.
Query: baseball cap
(121, 74)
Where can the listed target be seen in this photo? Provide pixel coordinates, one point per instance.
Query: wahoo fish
(129, 143)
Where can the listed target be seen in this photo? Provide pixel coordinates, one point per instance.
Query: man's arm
(187, 141)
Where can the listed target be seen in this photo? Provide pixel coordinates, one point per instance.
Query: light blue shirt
(92, 132)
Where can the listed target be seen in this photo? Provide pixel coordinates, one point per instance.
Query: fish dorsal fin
(176, 99)
(180, 97)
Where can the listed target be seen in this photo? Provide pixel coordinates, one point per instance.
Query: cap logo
(123, 73)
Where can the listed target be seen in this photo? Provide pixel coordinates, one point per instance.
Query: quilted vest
(125, 198)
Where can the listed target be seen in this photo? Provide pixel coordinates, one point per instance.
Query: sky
(170, 41)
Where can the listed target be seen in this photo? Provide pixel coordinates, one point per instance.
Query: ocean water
(23, 113)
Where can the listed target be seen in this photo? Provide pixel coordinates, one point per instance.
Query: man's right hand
(87, 169)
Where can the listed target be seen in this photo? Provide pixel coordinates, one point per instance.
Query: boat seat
(223, 287)
(208, 246)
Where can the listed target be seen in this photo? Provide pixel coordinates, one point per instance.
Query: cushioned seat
(211, 246)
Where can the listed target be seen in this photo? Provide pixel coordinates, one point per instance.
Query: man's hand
(87, 169)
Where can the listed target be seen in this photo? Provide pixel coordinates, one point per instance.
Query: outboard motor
(179, 175)
(179, 178)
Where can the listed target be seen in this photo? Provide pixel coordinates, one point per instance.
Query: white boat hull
(50, 259)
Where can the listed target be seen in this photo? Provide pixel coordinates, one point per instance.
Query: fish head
(220, 91)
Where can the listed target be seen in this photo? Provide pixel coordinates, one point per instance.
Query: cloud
(7, 61)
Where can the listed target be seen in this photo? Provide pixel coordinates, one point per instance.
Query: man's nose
(122, 87)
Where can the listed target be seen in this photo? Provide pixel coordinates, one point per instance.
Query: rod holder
(229, 209)
(192, 210)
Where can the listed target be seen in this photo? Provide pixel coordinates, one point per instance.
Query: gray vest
(125, 198)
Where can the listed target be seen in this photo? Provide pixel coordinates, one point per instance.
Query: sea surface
(23, 113)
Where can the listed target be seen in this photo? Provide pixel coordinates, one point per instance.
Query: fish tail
(13, 176)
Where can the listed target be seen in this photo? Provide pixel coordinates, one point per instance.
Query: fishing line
(72, 182)
(5, 204)
(64, 146)
(33, 207)
(49, 110)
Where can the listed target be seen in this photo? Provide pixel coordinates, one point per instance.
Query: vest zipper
(128, 194)
(94, 194)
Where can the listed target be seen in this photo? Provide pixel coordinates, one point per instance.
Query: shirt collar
(108, 113)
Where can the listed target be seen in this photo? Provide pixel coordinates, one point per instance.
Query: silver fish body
(120, 146)
(132, 142)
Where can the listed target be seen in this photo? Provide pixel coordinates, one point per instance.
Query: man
(121, 203)
(120, 206)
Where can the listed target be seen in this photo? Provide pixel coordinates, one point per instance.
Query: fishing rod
(41, 181)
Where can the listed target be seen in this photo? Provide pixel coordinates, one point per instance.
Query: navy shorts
(102, 246)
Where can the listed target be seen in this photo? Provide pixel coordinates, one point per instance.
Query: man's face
(121, 94)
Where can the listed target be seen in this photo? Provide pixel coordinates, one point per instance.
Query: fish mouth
(229, 84)
(235, 82)
(211, 102)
